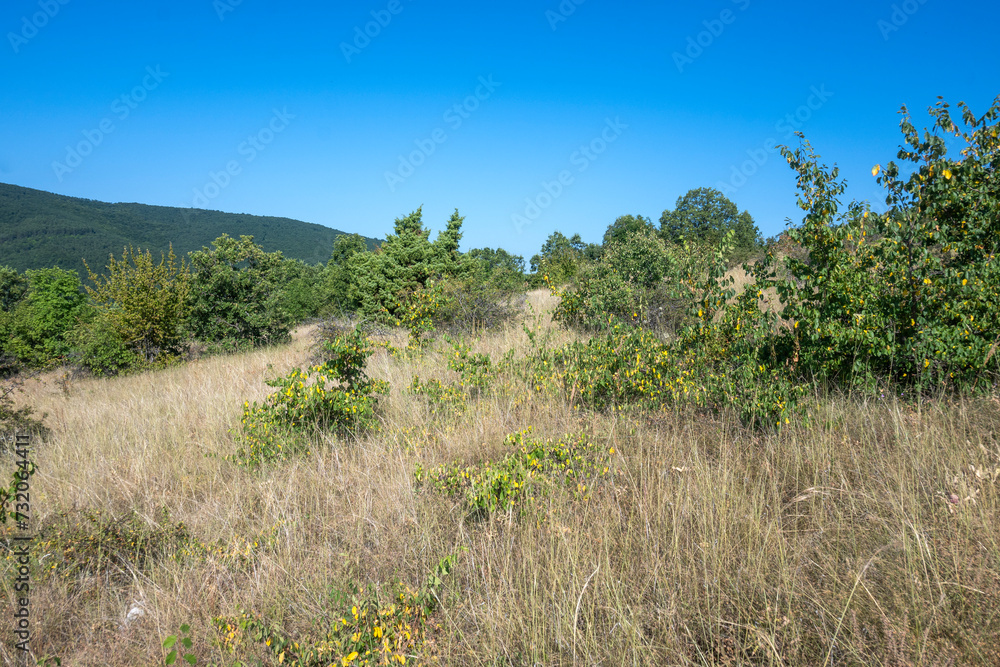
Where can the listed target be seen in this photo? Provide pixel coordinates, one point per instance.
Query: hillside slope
(40, 229)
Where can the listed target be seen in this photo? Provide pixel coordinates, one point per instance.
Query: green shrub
(12, 288)
(906, 298)
(443, 399)
(142, 311)
(99, 348)
(476, 370)
(406, 264)
(98, 543)
(236, 295)
(360, 629)
(524, 474)
(39, 323)
(469, 306)
(301, 290)
(334, 396)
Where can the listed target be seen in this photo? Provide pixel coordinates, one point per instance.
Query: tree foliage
(40, 322)
(236, 294)
(626, 227)
(405, 264)
(145, 303)
(705, 215)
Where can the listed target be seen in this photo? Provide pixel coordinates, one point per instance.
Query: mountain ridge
(41, 229)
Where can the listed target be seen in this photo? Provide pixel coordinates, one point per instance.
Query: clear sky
(291, 109)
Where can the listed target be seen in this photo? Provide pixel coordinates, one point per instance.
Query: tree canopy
(705, 215)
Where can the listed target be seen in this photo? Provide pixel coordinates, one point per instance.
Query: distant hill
(40, 229)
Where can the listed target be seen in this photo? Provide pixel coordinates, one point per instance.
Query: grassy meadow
(867, 535)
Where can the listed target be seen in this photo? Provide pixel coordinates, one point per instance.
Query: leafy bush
(368, 629)
(12, 288)
(236, 295)
(639, 281)
(476, 370)
(39, 323)
(143, 309)
(301, 290)
(96, 543)
(99, 348)
(334, 396)
(524, 474)
(337, 275)
(441, 398)
(905, 299)
(470, 306)
(908, 297)
(406, 264)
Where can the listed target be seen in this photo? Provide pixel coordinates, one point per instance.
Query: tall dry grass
(870, 536)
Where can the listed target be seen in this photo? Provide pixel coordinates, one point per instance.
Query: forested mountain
(40, 229)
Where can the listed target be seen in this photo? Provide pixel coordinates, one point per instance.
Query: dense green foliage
(40, 229)
(337, 275)
(907, 298)
(706, 216)
(561, 258)
(902, 302)
(625, 227)
(144, 305)
(236, 295)
(37, 328)
(405, 264)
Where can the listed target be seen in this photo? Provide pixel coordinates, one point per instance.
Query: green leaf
(169, 641)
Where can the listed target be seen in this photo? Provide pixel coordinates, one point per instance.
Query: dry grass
(835, 543)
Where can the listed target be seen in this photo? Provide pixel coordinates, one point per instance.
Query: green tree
(336, 278)
(236, 294)
(627, 226)
(404, 265)
(497, 267)
(639, 258)
(12, 288)
(52, 305)
(301, 287)
(145, 303)
(705, 215)
(561, 258)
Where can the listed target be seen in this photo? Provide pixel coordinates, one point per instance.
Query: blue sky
(526, 116)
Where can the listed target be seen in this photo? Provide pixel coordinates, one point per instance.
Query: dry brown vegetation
(869, 536)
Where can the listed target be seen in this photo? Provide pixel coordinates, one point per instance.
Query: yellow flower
(947, 174)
